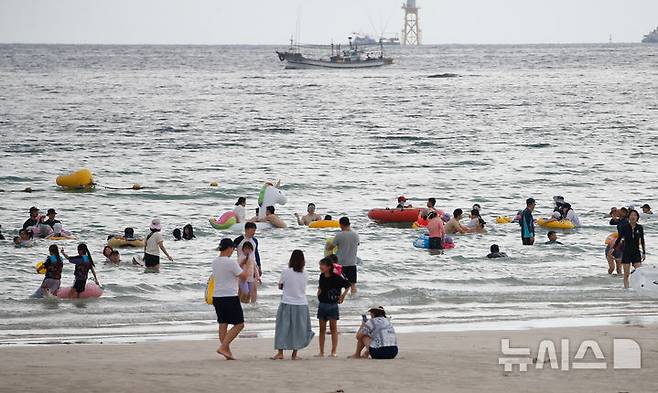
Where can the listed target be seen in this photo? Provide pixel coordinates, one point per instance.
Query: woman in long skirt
(293, 322)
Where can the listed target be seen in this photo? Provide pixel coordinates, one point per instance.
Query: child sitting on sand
(247, 288)
(330, 296)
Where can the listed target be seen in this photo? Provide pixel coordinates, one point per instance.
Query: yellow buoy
(78, 179)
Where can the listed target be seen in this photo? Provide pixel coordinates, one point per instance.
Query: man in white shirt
(227, 274)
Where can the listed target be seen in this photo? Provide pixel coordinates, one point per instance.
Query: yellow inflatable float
(504, 220)
(611, 239)
(324, 224)
(561, 224)
(40, 268)
(76, 180)
(120, 241)
(210, 288)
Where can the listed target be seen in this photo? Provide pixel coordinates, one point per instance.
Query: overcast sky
(320, 21)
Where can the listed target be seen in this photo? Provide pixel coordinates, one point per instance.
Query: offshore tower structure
(411, 31)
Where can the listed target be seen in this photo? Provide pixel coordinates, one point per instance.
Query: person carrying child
(247, 290)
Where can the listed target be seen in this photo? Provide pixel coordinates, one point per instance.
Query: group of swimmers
(40, 226)
(621, 252)
(338, 271)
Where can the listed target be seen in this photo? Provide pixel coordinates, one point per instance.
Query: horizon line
(265, 44)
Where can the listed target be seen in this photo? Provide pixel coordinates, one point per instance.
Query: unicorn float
(270, 195)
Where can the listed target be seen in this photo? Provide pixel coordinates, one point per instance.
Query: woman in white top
(239, 209)
(293, 321)
(152, 246)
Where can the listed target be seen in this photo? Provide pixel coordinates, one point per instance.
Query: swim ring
(423, 241)
(225, 221)
(76, 180)
(409, 215)
(120, 241)
(333, 251)
(503, 220)
(611, 239)
(562, 224)
(40, 268)
(91, 291)
(210, 289)
(324, 224)
(61, 238)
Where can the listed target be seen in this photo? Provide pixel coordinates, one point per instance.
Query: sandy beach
(447, 361)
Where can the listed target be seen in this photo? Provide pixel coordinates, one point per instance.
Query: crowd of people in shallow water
(236, 280)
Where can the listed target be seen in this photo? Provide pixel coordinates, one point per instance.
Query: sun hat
(155, 224)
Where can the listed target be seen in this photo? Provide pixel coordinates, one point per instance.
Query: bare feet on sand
(277, 357)
(226, 352)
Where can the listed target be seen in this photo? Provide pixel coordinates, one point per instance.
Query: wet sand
(445, 361)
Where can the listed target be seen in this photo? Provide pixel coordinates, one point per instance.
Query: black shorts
(228, 310)
(383, 352)
(528, 241)
(632, 256)
(328, 312)
(151, 260)
(349, 272)
(79, 285)
(436, 243)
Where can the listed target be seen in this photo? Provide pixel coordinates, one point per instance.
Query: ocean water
(516, 121)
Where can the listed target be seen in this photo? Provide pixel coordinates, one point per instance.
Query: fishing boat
(368, 40)
(354, 57)
(651, 38)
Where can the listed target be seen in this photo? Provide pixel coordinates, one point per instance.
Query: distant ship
(651, 37)
(365, 40)
(354, 57)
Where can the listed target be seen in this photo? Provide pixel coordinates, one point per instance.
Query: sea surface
(512, 122)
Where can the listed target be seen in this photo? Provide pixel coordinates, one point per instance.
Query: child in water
(248, 291)
(53, 265)
(552, 238)
(330, 296)
(83, 264)
(111, 255)
(188, 232)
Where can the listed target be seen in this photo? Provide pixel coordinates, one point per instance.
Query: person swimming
(495, 252)
(552, 238)
(477, 224)
(111, 255)
(188, 232)
(646, 209)
(178, 234)
(454, 225)
(310, 217)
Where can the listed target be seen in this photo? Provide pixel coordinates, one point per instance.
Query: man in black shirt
(51, 218)
(34, 218)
